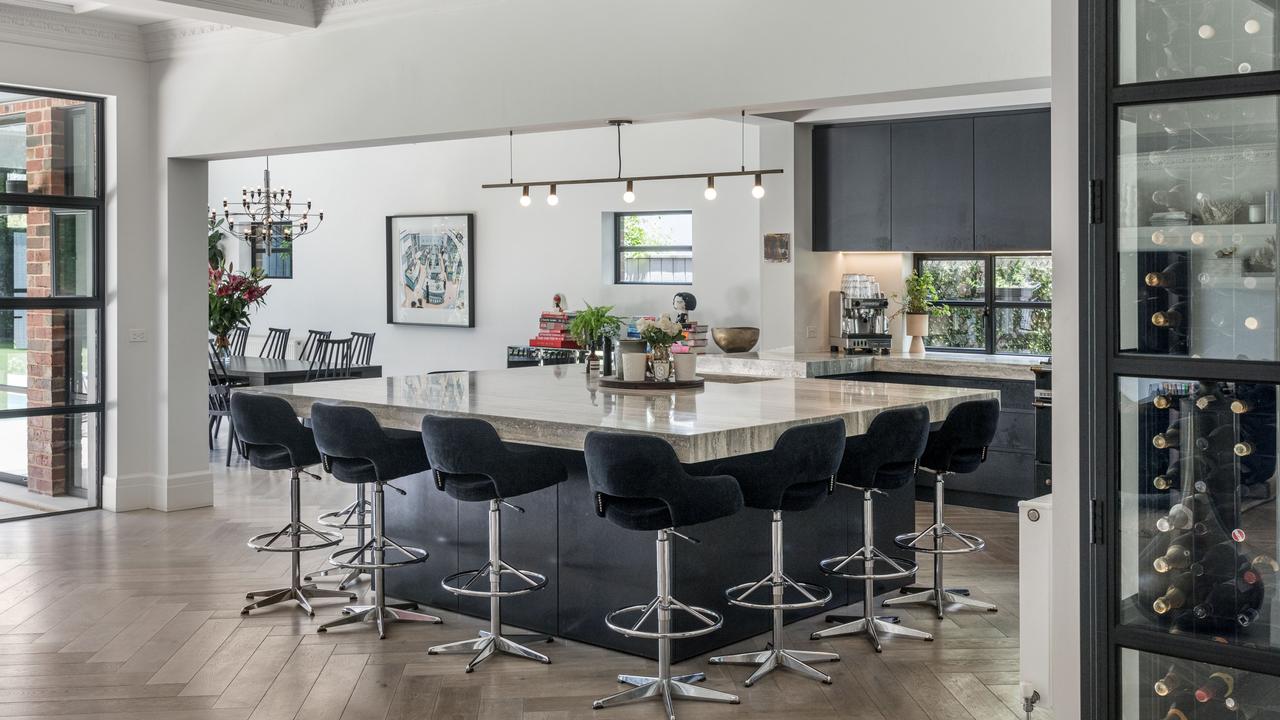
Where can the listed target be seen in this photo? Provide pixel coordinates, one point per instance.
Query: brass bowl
(735, 339)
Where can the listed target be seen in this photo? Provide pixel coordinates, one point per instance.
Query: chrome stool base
(488, 645)
(873, 627)
(668, 690)
(774, 659)
(940, 598)
(380, 615)
(302, 594)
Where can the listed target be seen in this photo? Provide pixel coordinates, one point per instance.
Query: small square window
(653, 248)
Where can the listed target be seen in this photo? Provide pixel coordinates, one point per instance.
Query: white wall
(523, 255)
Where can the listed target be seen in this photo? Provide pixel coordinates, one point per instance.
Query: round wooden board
(652, 385)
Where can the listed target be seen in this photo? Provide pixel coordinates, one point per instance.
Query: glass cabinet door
(1175, 39)
(1197, 214)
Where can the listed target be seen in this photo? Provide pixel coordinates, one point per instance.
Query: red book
(565, 343)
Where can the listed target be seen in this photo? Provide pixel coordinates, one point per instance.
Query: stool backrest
(960, 445)
(266, 421)
(276, 344)
(361, 348)
(886, 456)
(330, 360)
(346, 431)
(809, 453)
(467, 447)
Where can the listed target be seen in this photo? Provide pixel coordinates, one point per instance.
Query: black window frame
(988, 303)
(95, 300)
(259, 253)
(618, 248)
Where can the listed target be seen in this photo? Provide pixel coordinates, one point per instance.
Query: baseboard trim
(143, 491)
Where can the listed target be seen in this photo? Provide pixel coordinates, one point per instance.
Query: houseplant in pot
(594, 329)
(231, 296)
(918, 302)
(660, 334)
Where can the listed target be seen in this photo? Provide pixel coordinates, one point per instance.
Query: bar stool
(959, 446)
(355, 516)
(275, 440)
(472, 464)
(357, 450)
(639, 484)
(797, 475)
(883, 459)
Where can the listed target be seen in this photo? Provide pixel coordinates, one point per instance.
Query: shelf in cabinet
(1178, 237)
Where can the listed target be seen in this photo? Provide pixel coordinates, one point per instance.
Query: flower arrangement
(660, 334)
(231, 296)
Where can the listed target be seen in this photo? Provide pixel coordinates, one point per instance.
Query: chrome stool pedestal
(934, 541)
(294, 531)
(868, 556)
(777, 656)
(380, 612)
(352, 517)
(493, 641)
(664, 685)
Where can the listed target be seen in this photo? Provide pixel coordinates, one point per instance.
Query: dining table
(282, 371)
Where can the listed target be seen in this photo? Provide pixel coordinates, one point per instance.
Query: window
(278, 263)
(998, 303)
(653, 248)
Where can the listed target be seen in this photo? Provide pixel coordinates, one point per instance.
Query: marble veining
(783, 363)
(556, 406)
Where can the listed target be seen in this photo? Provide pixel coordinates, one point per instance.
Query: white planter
(686, 366)
(918, 329)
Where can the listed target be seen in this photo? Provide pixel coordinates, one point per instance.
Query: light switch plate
(137, 335)
(811, 331)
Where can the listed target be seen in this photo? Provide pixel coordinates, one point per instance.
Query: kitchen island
(594, 566)
(789, 363)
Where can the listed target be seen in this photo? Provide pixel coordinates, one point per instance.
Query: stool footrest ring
(345, 519)
(533, 581)
(266, 541)
(814, 595)
(352, 558)
(933, 541)
(709, 620)
(853, 567)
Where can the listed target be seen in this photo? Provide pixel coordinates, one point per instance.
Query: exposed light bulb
(525, 200)
(552, 198)
(1251, 322)
(757, 190)
(630, 195)
(710, 192)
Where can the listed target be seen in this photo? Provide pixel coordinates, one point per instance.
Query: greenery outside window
(1000, 304)
(653, 248)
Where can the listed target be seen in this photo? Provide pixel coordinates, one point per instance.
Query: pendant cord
(744, 140)
(619, 126)
(511, 151)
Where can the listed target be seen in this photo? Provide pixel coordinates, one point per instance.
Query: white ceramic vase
(917, 328)
(633, 366)
(686, 366)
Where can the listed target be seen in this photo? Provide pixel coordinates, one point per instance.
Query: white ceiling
(94, 9)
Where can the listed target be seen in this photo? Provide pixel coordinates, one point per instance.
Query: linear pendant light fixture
(629, 181)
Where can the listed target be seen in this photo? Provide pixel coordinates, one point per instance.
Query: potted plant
(594, 329)
(920, 301)
(231, 296)
(216, 255)
(660, 334)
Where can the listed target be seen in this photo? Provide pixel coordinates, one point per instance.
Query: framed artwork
(777, 247)
(431, 270)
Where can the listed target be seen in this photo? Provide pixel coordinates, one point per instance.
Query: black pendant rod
(637, 178)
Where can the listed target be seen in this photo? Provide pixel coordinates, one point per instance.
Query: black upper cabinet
(851, 182)
(933, 185)
(1011, 181)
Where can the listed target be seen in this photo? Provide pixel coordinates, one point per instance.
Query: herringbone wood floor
(136, 616)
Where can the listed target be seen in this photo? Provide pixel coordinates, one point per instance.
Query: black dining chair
(276, 344)
(239, 338)
(220, 384)
(331, 360)
(309, 347)
(361, 348)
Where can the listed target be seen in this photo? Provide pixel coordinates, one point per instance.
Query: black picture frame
(397, 313)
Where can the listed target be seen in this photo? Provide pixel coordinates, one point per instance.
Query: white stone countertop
(556, 406)
(786, 363)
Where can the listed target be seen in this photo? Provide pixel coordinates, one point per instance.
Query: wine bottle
(1177, 557)
(1219, 685)
(1173, 276)
(1244, 448)
(1241, 406)
(1246, 617)
(1175, 595)
(1265, 563)
(1164, 482)
(1219, 437)
(1185, 514)
(1162, 401)
(1171, 317)
(1167, 439)
(1220, 602)
(1207, 395)
(1172, 682)
(1221, 560)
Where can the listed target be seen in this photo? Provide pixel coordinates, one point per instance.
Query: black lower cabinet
(1009, 474)
(594, 567)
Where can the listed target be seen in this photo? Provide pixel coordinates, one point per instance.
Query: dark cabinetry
(933, 185)
(851, 176)
(1011, 182)
(952, 184)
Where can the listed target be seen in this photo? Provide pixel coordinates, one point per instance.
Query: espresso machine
(859, 316)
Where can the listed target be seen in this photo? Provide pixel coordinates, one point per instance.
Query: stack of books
(695, 339)
(553, 332)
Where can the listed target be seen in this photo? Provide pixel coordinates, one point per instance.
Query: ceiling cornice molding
(75, 33)
(278, 16)
(177, 38)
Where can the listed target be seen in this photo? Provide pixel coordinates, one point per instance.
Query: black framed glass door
(1180, 303)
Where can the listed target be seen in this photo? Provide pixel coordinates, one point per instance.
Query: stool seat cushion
(358, 450)
(472, 464)
(797, 474)
(269, 429)
(960, 445)
(640, 484)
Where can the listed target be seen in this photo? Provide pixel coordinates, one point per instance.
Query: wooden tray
(610, 382)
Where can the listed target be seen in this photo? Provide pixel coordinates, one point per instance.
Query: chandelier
(267, 217)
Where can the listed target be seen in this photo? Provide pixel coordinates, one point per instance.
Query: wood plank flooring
(136, 616)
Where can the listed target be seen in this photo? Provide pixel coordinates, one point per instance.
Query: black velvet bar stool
(357, 450)
(274, 440)
(884, 458)
(356, 516)
(959, 446)
(639, 484)
(797, 475)
(472, 464)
